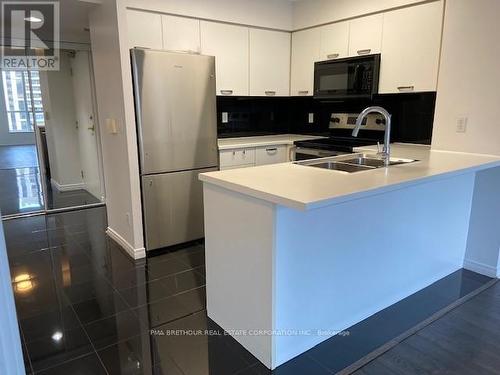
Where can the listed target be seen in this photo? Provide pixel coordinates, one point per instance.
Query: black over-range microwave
(352, 77)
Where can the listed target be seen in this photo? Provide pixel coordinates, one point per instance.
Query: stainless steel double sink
(353, 162)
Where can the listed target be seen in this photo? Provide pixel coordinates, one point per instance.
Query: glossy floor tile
(20, 191)
(85, 307)
(18, 156)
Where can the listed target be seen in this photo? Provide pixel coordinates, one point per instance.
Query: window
(23, 102)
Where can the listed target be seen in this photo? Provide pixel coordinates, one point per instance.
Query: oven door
(355, 77)
(302, 153)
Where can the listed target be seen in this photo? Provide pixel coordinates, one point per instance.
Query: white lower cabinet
(252, 156)
(237, 158)
(271, 155)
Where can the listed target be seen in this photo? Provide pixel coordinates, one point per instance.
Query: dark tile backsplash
(412, 115)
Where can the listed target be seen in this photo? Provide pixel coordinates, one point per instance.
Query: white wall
(276, 14)
(62, 133)
(11, 356)
(120, 156)
(469, 78)
(84, 112)
(307, 13)
(7, 138)
(483, 242)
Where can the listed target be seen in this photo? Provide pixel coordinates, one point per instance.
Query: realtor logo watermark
(30, 35)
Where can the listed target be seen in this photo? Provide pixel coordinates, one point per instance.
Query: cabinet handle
(332, 55)
(303, 92)
(271, 150)
(364, 51)
(270, 93)
(244, 152)
(226, 92)
(406, 88)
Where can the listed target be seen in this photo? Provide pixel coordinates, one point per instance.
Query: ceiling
(74, 20)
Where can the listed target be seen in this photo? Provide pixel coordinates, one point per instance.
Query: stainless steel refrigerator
(176, 119)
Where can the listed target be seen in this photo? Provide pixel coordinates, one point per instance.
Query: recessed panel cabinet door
(229, 45)
(305, 52)
(334, 41)
(365, 35)
(144, 29)
(181, 34)
(269, 63)
(410, 48)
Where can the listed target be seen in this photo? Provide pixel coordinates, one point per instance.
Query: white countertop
(303, 187)
(264, 140)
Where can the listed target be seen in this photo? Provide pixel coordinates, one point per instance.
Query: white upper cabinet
(334, 41)
(229, 45)
(269, 63)
(144, 29)
(181, 34)
(305, 51)
(410, 49)
(365, 35)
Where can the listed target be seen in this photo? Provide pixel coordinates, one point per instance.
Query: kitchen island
(296, 254)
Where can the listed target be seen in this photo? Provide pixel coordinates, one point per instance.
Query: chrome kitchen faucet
(386, 151)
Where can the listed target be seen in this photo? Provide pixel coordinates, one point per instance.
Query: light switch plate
(111, 126)
(225, 117)
(311, 118)
(462, 124)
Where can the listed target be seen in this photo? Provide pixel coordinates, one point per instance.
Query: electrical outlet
(311, 118)
(461, 124)
(225, 117)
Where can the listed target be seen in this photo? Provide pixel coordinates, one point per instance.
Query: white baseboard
(483, 269)
(66, 187)
(134, 253)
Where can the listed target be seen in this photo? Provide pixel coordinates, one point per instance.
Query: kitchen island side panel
(239, 251)
(340, 264)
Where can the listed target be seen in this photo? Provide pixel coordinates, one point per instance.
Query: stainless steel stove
(340, 141)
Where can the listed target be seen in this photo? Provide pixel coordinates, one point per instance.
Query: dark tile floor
(73, 198)
(18, 156)
(85, 307)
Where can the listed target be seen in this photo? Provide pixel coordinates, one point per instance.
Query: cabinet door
(305, 51)
(334, 41)
(271, 155)
(229, 45)
(144, 29)
(235, 157)
(181, 34)
(410, 49)
(365, 35)
(269, 63)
